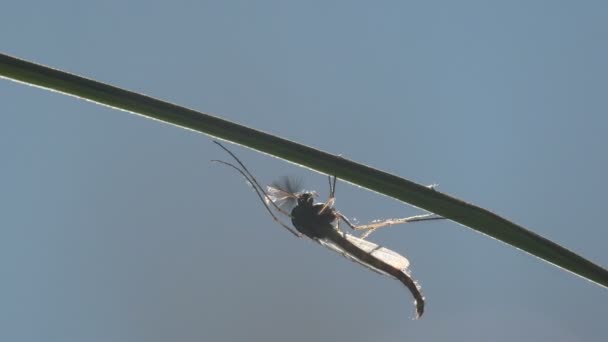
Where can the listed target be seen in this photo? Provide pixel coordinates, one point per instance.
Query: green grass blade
(420, 196)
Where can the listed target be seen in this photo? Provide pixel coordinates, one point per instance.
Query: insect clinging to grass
(321, 223)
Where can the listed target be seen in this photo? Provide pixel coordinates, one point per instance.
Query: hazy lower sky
(117, 228)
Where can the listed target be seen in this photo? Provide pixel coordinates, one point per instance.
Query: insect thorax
(308, 219)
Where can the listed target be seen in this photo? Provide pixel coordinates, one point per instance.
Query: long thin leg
(332, 195)
(370, 228)
(257, 191)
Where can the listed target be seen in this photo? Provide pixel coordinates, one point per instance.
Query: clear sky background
(118, 228)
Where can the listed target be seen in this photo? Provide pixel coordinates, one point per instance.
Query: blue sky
(118, 228)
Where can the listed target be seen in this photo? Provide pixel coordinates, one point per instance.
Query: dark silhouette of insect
(321, 223)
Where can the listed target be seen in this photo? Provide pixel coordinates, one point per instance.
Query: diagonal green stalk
(420, 196)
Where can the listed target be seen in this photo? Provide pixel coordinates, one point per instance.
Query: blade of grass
(417, 195)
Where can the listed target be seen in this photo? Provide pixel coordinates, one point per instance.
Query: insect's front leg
(332, 195)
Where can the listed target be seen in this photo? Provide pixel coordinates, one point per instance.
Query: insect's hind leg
(371, 227)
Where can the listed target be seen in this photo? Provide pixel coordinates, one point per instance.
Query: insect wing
(388, 256)
(332, 246)
(280, 197)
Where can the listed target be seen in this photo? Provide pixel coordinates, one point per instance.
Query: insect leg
(371, 227)
(332, 195)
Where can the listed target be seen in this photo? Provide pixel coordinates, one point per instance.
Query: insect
(321, 223)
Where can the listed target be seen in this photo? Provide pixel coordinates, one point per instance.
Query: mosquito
(321, 223)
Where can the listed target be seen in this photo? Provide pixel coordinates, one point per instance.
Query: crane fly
(321, 223)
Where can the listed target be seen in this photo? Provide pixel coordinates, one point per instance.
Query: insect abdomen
(369, 259)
